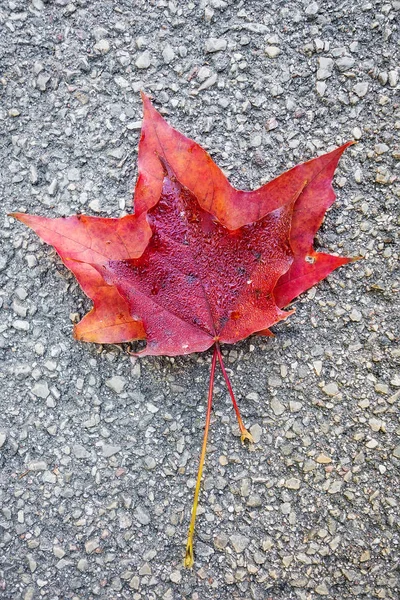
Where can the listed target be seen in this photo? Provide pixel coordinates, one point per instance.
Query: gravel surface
(98, 454)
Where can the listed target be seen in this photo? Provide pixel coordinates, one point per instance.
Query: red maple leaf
(199, 263)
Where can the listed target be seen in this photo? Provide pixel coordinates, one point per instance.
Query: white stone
(176, 577)
(331, 389)
(143, 60)
(321, 88)
(116, 383)
(393, 78)
(215, 44)
(203, 74)
(41, 389)
(21, 325)
(312, 9)
(355, 315)
(272, 51)
(292, 483)
(325, 67)
(102, 47)
(168, 54)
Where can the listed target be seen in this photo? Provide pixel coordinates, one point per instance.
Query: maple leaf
(199, 263)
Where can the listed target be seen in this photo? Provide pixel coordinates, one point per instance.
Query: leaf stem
(244, 434)
(189, 556)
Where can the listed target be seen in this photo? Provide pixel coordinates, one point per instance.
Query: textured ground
(98, 455)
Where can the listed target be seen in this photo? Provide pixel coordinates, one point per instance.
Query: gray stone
(125, 521)
(150, 463)
(80, 452)
(239, 542)
(134, 582)
(142, 515)
(74, 174)
(396, 452)
(325, 67)
(83, 564)
(49, 477)
(381, 149)
(256, 140)
(42, 81)
(3, 437)
(322, 589)
(292, 483)
(256, 432)
(3, 263)
(208, 82)
(361, 89)
(122, 82)
(91, 545)
(344, 63)
(277, 407)
(99, 33)
(215, 45)
(271, 124)
(393, 78)
(110, 450)
(37, 465)
(145, 569)
(32, 564)
(52, 187)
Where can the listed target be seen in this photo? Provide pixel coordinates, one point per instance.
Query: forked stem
(244, 434)
(189, 556)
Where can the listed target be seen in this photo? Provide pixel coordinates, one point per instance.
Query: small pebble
(215, 45)
(331, 389)
(256, 432)
(91, 545)
(116, 383)
(239, 542)
(272, 51)
(102, 46)
(176, 577)
(168, 54)
(41, 389)
(143, 60)
(361, 89)
(277, 407)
